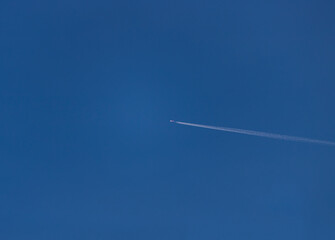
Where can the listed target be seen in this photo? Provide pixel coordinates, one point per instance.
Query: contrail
(259, 134)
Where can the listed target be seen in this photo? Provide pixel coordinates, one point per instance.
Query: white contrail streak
(259, 134)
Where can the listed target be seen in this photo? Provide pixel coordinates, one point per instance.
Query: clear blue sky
(87, 89)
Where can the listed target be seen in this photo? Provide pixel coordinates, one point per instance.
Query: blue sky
(87, 89)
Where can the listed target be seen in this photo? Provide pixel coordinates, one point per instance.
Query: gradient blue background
(87, 89)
